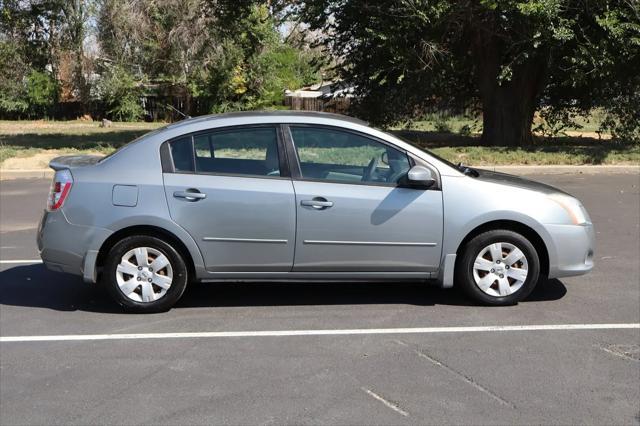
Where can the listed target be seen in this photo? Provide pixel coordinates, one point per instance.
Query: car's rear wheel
(145, 274)
(498, 267)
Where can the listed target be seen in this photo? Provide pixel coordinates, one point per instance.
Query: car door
(351, 214)
(231, 190)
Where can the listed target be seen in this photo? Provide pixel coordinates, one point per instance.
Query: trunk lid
(74, 161)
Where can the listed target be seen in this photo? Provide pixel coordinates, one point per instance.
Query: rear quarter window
(182, 154)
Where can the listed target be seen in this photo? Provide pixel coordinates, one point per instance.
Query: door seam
(295, 229)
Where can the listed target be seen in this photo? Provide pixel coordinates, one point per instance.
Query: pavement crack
(467, 379)
(386, 402)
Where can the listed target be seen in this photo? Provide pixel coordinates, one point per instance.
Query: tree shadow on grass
(589, 149)
(111, 138)
(35, 287)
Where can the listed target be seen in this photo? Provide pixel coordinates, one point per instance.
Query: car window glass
(182, 154)
(345, 156)
(243, 152)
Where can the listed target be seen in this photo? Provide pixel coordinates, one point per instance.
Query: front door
(228, 190)
(352, 216)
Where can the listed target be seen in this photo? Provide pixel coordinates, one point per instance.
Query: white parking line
(389, 404)
(20, 261)
(337, 332)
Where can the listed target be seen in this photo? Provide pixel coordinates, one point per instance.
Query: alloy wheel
(500, 269)
(144, 274)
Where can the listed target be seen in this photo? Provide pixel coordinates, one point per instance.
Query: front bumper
(65, 247)
(574, 248)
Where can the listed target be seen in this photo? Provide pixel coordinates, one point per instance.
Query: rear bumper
(69, 248)
(574, 248)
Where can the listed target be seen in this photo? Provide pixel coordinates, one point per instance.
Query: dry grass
(27, 138)
(46, 139)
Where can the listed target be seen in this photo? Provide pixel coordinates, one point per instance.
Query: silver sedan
(273, 196)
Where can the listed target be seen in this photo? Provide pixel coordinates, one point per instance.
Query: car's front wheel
(498, 267)
(145, 274)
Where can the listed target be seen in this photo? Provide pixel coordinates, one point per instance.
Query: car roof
(272, 114)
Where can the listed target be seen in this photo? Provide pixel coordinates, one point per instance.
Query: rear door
(352, 215)
(231, 190)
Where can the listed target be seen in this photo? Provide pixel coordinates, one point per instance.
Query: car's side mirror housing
(418, 177)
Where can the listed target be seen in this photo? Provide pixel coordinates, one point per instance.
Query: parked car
(273, 196)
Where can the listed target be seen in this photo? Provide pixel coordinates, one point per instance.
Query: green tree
(121, 94)
(41, 93)
(13, 71)
(563, 57)
(220, 55)
(41, 33)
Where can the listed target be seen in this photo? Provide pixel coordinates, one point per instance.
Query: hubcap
(144, 274)
(500, 269)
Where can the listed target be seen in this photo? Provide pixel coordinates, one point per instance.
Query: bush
(13, 100)
(24, 90)
(121, 93)
(441, 125)
(42, 93)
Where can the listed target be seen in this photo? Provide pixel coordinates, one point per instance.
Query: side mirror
(418, 177)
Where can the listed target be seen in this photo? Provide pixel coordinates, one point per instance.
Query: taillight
(60, 188)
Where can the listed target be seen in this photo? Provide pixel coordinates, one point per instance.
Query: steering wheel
(371, 169)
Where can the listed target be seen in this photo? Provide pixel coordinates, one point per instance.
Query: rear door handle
(190, 194)
(318, 203)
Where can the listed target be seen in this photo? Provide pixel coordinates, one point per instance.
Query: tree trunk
(507, 116)
(508, 106)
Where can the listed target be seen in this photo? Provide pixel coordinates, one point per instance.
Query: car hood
(511, 180)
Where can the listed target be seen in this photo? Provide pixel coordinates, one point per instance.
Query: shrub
(121, 93)
(42, 93)
(441, 125)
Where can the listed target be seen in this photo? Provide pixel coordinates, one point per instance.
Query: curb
(518, 170)
(26, 174)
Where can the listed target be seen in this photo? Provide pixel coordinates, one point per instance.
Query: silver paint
(399, 233)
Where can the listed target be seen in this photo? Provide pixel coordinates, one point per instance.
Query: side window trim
(292, 154)
(168, 165)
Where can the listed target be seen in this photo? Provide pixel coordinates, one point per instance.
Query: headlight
(574, 209)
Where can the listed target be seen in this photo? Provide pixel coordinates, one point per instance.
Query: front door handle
(190, 194)
(318, 203)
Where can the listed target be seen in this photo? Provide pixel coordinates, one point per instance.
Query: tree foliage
(221, 57)
(42, 35)
(121, 94)
(511, 57)
(213, 55)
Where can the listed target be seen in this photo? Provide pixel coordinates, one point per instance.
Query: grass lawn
(28, 138)
(585, 126)
(556, 151)
(42, 140)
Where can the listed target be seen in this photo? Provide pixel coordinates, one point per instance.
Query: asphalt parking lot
(389, 353)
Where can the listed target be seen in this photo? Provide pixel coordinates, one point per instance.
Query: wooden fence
(337, 105)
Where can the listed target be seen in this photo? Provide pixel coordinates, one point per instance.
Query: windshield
(437, 157)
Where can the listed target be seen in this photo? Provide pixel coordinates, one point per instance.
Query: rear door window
(246, 151)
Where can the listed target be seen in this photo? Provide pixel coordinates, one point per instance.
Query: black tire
(173, 293)
(464, 275)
